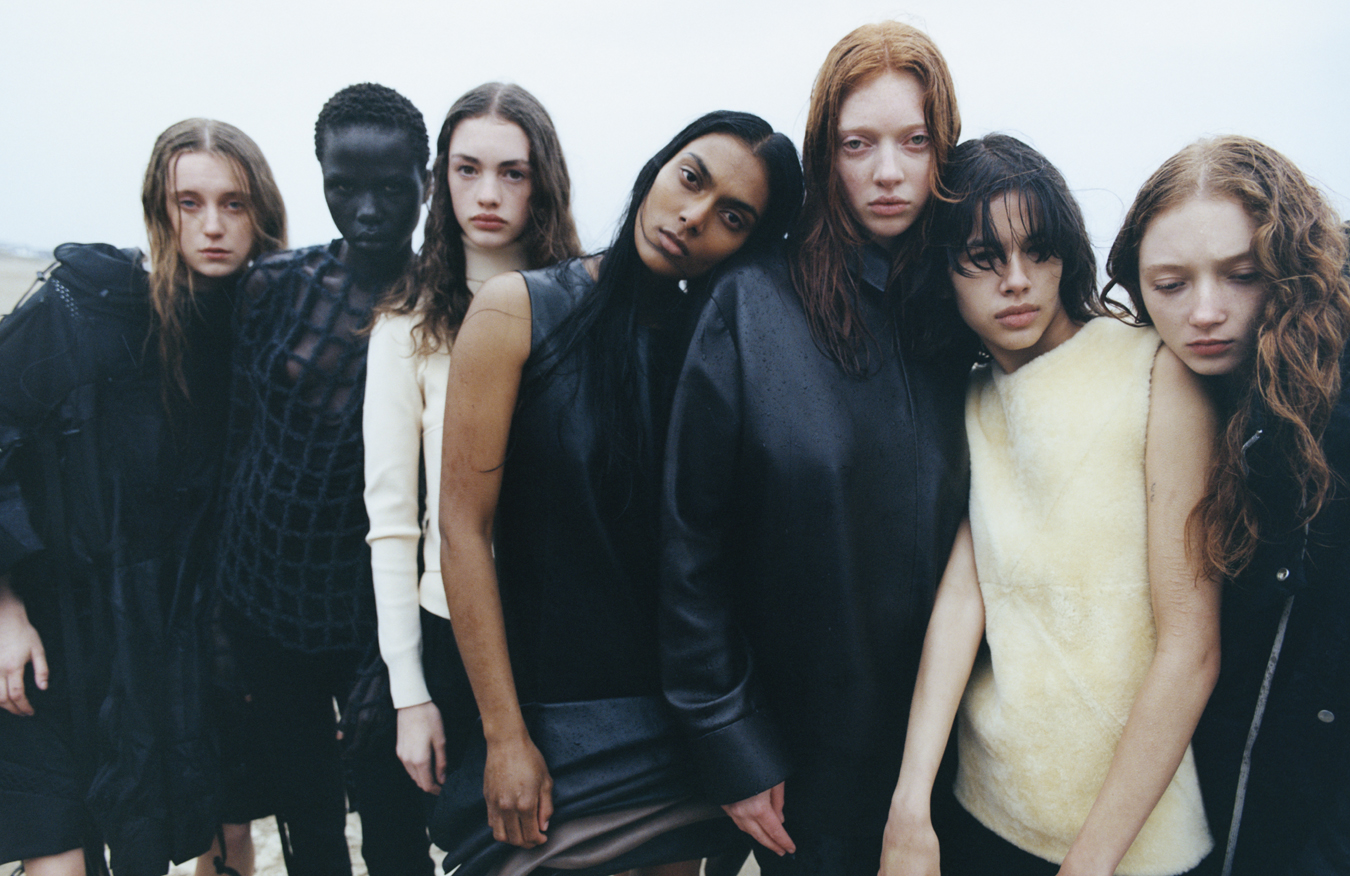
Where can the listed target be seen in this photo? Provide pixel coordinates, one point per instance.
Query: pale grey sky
(1106, 91)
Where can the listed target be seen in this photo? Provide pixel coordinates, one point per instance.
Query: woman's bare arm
(485, 372)
(1181, 430)
(909, 845)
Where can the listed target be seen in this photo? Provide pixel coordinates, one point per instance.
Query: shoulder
(1179, 401)
(751, 274)
(506, 294)
(393, 333)
(754, 294)
(275, 268)
(555, 291)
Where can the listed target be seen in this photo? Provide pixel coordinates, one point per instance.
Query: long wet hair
(828, 235)
(436, 284)
(172, 287)
(979, 172)
(1293, 381)
(598, 335)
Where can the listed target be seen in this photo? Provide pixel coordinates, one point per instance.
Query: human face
(1200, 283)
(883, 155)
(374, 185)
(1012, 298)
(208, 209)
(489, 179)
(701, 207)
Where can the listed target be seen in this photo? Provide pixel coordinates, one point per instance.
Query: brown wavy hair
(1294, 376)
(435, 284)
(827, 233)
(172, 288)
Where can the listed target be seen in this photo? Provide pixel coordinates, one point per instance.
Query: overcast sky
(1107, 91)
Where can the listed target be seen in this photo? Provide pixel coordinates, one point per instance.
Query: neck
(481, 265)
(374, 270)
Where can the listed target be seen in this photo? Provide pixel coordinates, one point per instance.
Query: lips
(216, 253)
(1210, 346)
(487, 222)
(672, 245)
(888, 206)
(1018, 316)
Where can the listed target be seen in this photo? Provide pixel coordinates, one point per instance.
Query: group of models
(719, 521)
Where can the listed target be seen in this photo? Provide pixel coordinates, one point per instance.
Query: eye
(187, 203)
(466, 170)
(920, 140)
(1168, 285)
(1247, 278)
(236, 205)
(690, 176)
(515, 175)
(853, 144)
(984, 258)
(735, 221)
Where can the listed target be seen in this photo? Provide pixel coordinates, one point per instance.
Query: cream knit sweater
(1057, 511)
(402, 420)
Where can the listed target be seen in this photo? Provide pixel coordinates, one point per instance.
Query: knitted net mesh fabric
(293, 554)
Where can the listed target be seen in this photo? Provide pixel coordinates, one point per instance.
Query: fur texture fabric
(1058, 515)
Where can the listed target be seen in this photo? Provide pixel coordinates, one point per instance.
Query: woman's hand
(909, 847)
(421, 745)
(761, 816)
(20, 645)
(518, 791)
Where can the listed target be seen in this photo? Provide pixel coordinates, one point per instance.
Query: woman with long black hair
(555, 422)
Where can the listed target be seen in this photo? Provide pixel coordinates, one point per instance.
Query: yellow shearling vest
(1058, 515)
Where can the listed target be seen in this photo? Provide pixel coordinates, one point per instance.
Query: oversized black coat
(809, 515)
(105, 497)
(1293, 803)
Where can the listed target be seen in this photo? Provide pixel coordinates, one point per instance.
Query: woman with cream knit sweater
(500, 202)
(1089, 445)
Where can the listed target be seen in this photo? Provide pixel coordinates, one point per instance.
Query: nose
(888, 171)
(1207, 306)
(1014, 279)
(367, 207)
(213, 224)
(695, 213)
(489, 191)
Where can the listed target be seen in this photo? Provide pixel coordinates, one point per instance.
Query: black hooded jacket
(106, 485)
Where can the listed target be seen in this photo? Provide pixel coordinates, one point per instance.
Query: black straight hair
(978, 173)
(598, 336)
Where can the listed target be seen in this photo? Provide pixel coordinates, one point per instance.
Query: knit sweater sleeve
(392, 423)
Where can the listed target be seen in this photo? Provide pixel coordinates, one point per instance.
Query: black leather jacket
(808, 518)
(1295, 812)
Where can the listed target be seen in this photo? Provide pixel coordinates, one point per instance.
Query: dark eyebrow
(735, 203)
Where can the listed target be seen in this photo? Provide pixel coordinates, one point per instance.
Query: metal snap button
(1281, 574)
(1325, 716)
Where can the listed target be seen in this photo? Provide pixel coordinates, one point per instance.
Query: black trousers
(299, 770)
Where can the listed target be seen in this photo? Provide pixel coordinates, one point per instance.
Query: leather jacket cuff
(741, 759)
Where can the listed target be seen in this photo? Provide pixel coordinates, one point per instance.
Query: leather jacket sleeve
(707, 669)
